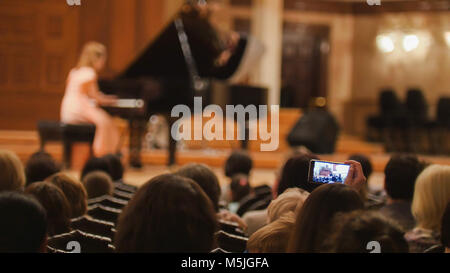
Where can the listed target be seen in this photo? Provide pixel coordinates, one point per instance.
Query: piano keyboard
(129, 103)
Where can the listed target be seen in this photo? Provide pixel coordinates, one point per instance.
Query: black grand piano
(185, 60)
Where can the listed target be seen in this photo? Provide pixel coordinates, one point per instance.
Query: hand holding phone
(355, 177)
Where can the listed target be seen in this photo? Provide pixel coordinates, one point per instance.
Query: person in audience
(82, 91)
(208, 181)
(274, 237)
(314, 219)
(290, 200)
(116, 167)
(74, 192)
(352, 233)
(96, 164)
(239, 187)
(431, 195)
(294, 173)
(97, 184)
(169, 213)
(400, 176)
(24, 224)
(239, 162)
(445, 229)
(205, 178)
(55, 204)
(40, 166)
(12, 175)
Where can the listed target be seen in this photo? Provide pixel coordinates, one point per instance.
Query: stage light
(385, 43)
(447, 37)
(410, 42)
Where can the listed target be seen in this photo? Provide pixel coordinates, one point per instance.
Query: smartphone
(326, 172)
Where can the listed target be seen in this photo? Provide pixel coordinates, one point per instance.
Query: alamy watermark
(213, 128)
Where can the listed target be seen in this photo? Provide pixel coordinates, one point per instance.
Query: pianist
(82, 99)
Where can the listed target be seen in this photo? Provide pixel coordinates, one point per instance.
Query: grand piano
(188, 58)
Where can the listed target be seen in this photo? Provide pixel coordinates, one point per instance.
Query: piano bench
(67, 134)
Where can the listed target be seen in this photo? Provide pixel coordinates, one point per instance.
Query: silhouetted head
(96, 164)
(205, 178)
(294, 174)
(40, 166)
(55, 204)
(97, 184)
(400, 176)
(169, 213)
(74, 191)
(24, 224)
(352, 232)
(314, 218)
(238, 162)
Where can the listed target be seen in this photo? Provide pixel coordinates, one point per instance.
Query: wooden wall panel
(40, 42)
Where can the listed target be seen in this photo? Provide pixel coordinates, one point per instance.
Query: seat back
(416, 105)
(443, 111)
(104, 213)
(93, 226)
(230, 242)
(108, 201)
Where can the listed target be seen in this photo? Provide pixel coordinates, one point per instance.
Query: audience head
(55, 204)
(365, 163)
(96, 164)
(24, 224)
(431, 195)
(400, 175)
(314, 218)
(272, 238)
(169, 213)
(239, 187)
(351, 233)
(238, 162)
(74, 192)
(97, 184)
(12, 175)
(294, 174)
(445, 229)
(40, 166)
(289, 201)
(116, 166)
(205, 177)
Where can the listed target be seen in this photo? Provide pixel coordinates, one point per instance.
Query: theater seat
(88, 243)
(108, 201)
(230, 242)
(104, 213)
(67, 134)
(93, 226)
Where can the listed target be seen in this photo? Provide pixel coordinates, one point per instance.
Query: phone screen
(328, 172)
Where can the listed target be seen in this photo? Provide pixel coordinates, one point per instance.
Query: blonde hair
(12, 174)
(92, 52)
(431, 195)
(289, 201)
(274, 237)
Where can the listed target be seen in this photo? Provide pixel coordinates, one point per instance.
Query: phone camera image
(327, 172)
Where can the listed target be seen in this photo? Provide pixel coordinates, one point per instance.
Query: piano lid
(188, 47)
